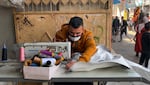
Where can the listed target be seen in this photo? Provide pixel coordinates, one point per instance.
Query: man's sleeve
(90, 48)
(60, 36)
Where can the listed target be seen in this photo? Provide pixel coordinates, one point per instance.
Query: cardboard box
(39, 73)
(33, 48)
(43, 73)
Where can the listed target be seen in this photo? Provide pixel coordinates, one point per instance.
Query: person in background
(115, 27)
(123, 28)
(145, 54)
(130, 24)
(82, 42)
(146, 17)
(137, 38)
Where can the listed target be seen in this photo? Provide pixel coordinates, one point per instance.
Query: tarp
(130, 3)
(133, 3)
(116, 1)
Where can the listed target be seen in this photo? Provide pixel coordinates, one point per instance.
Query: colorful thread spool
(22, 54)
(46, 52)
(44, 61)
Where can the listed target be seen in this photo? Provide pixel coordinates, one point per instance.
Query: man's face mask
(72, 38)
(75, 33)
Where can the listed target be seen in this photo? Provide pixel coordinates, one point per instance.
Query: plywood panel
(39, 28)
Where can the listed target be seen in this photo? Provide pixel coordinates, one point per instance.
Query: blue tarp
(116, 1)
(134, 3)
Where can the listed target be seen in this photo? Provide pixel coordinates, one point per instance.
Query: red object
(138, 44)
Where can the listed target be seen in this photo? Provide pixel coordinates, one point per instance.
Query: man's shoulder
(88, 34)
(87, 31)
(64, 28)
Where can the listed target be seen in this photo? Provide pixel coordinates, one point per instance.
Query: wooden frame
(41, 25)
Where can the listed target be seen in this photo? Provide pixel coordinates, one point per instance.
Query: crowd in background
(141, 26)
(119, 27)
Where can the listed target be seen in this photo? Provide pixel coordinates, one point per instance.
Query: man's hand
(68, 65)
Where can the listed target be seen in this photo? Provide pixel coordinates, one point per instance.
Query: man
(123, 28)
(115, 27)
(82, 41)
(145, 54)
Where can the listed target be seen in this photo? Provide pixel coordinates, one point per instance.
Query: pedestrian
(137, 38)
(115, 27)
(145, 56)
(130, 24)
(146, 17)
(83, 45)
(123, 28)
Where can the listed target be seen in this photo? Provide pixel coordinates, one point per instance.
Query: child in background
(145, 55)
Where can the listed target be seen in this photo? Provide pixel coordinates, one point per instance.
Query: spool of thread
(4, 53)
(46, 52)
(36, 59)
(60, 54)
(22, 54)
(43, 55)
(44, 61)
(57, 57)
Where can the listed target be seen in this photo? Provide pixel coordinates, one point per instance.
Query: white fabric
(145, 19)
(140, 27)
(103, 58)
(18, 2)
(75, 56)
(102, 54)
(144, 72)
(12, 3)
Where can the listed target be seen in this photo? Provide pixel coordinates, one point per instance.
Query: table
(10, 71)
(116, 74)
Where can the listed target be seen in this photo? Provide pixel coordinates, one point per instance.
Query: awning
(133, 3)
(116, 1)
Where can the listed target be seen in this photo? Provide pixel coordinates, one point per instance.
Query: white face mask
(74, 38)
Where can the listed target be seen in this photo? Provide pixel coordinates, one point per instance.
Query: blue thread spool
(4, 53)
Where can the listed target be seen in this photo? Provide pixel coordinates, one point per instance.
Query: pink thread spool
(22, 55)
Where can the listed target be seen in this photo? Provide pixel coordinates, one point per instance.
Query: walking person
(137, 38)
(115, 27)
(123, 28)
(145, 54)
